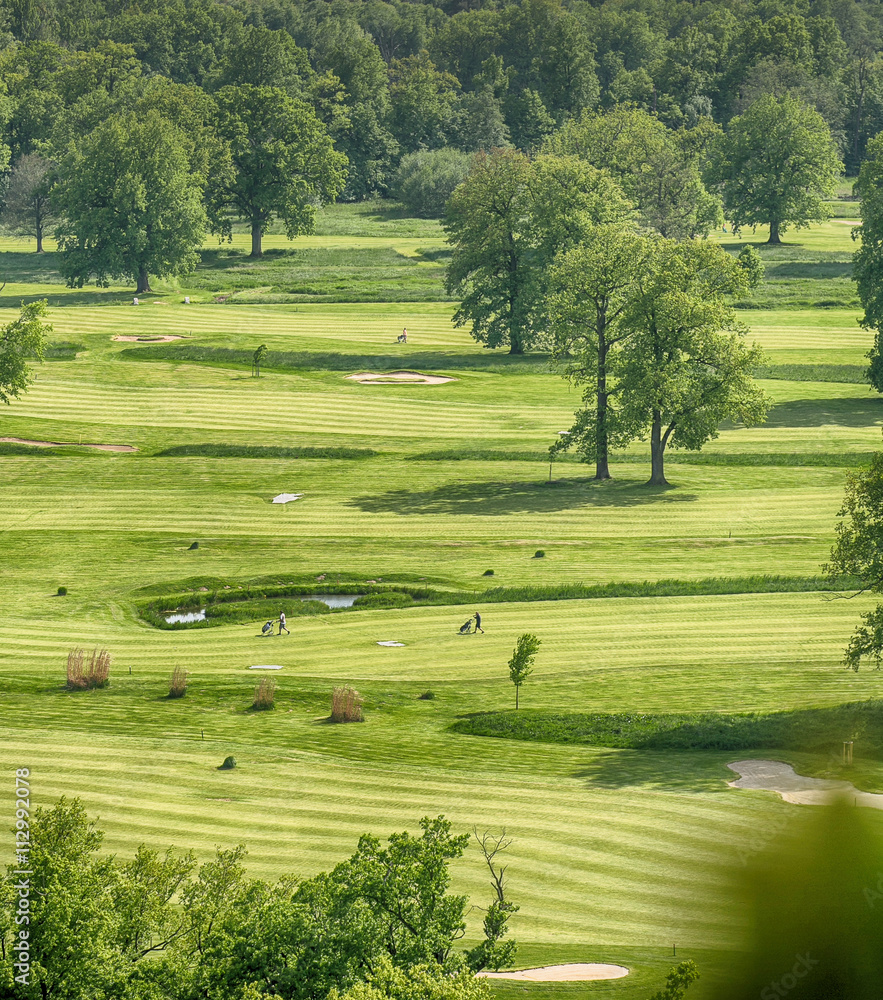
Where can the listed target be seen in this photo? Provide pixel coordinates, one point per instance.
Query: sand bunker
(151, 340)
(392, 378)
(266, 666)
(574, 972)
(69, 444)
(776, 776)
(390, 642)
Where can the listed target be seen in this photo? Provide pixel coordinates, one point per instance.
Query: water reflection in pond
(334, 600)
(186, 616)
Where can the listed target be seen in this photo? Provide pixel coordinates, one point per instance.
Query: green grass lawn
(618, 853)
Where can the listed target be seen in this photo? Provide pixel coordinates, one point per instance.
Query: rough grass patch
(88, 671)
(178, 683)
(265, 695)
(346, 705)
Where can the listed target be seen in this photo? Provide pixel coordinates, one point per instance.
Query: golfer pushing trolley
(466, 627)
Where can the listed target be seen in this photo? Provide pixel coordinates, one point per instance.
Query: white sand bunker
(69, 444)
(574, 972)
(392, 378)
(776, 776)
(266, 666)
(163, 339)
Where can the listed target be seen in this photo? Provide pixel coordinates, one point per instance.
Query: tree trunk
(516, 697)
(39, 238)
(602, 469)
(657, 452)
(143, 281)
(774, 233)
(256, 234)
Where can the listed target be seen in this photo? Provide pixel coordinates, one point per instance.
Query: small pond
(333, 600)
(186, 617)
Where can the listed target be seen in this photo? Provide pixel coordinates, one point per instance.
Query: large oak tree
(130, 202)
(284, 163)
(774, 166)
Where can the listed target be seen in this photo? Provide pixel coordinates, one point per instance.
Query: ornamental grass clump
(346, 705)
(87, 672)
(265, 695)
(178, 683)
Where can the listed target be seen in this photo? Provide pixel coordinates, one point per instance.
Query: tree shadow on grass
(674, 771)
(494, 498)
(844, 412)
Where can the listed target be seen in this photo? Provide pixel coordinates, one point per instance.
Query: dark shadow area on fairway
(683, 771)
(494, 498)
(817, 412)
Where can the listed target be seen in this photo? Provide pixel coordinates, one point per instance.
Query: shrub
(61, 592)
(178, 683)
(539, 554)
(426, 180)
(85, 673)
(391, 599)
(488, 572)
(265, 694)
(426, 696)
(195, 545)
(346, 705)
(228, 765)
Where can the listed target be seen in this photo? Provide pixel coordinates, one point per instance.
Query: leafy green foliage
(521, 663)
(858, 551)
(131, 206)
(21, 339)
(774, 165)
(677, 981)
(282, 163)
(27, 210)
(426, 179)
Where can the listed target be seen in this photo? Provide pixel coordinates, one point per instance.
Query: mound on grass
(819, 730)
(260, 451)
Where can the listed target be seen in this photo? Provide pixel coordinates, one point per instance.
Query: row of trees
(137, 194)
(453, 68)
(382, 924)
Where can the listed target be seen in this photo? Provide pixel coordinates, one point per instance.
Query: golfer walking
(478, 627)
(282, 624)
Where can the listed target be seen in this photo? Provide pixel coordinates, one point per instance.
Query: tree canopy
(21, 341)
(283, 163)
(774, 165)
(382, 923)
(130, 204)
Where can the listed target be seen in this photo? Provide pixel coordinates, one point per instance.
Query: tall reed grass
(265, 695)
(178, 683)
(88, 671)
(346, 705)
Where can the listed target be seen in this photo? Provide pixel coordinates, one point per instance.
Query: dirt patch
(777, 776)
(574, 972)
(395, 378)
(164, 339)
(68, 444)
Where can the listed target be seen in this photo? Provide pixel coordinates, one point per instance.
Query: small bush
(228, 765)
(195, 545)
(426, 180)
(265, 694)
(346, 705)
(488, 572)
(178, 683)
(61, 592)
(427, 696)
(392, 599)
(539, 554)
(86, 673)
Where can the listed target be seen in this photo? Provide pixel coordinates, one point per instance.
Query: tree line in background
(168, 119)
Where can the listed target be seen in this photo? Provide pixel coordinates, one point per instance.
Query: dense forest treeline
(389, 77)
